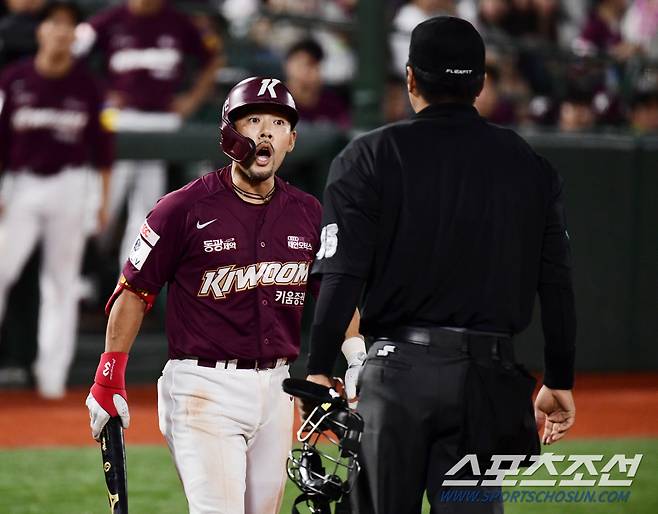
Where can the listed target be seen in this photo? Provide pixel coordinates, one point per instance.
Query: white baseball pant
(54, 209)
(229, 432)
(141, 184)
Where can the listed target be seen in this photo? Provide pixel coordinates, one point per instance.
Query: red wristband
(111, 371)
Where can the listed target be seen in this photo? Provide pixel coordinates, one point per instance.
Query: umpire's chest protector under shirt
(449, 219)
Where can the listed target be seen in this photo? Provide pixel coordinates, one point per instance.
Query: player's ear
(293, 139)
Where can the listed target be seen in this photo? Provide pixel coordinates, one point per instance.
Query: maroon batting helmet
(246, 94)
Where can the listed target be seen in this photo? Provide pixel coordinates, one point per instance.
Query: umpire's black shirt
(449, 220)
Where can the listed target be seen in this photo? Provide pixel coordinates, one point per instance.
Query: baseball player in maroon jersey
(145, 45)
(234, 248)
(51, 140)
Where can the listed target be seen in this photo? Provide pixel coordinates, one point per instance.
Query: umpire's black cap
(447, 49)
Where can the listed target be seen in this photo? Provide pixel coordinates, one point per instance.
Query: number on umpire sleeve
(328, 241)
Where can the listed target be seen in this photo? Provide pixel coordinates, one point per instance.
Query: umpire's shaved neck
(250, 183)
(419, 102)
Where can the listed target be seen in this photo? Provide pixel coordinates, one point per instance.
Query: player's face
(274, 138)
(57, 33)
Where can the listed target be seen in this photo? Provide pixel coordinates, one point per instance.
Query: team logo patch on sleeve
(139, 253)
(149, 235)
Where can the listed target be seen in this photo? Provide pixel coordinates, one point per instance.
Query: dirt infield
(609, 405)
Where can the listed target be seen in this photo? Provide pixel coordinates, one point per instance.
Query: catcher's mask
(325, 467)
(251, 93)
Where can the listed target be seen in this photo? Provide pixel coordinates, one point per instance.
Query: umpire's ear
(412, 89)
(415, 98)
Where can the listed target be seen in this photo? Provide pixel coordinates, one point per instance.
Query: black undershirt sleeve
(556, 295)
(338, 298)
(559, 324)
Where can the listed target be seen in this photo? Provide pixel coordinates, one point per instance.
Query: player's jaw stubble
(254, 174)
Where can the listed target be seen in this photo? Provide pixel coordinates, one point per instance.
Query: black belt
(241, 363)
(468, 340)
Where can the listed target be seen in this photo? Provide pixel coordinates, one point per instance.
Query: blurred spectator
(261, 27)
(396, 100)
(577, 112)
(278, 34)
(540, 24)
(239, 13)
(591, 78)
(540, 19)
(521, 19)
(640, 26)
(602, 31)
(644, 113)
(18, 30)
(491, 104)
(493, 18)
(543, 111)
(548, 19)
(575, 14)
(145, 45)
(50, 136)
(511, 81)
(406, 19)
(315, 102)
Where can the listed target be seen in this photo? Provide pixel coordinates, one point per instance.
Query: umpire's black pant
(411, 398)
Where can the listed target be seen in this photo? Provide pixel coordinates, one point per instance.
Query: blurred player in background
(50, 137)
(145, 46)
(18, 333)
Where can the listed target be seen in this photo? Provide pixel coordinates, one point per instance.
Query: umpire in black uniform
(443, 227)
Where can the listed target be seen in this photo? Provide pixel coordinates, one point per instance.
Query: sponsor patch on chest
(299, 243)
(218, 245)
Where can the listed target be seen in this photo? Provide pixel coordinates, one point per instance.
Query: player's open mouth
(263, 154)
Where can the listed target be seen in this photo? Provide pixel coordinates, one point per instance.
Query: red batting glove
(108, 397)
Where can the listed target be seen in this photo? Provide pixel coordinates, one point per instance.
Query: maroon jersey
(237, 273)
(47, 124)
(144, 55)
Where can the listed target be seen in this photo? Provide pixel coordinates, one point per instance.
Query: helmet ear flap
(236, 146)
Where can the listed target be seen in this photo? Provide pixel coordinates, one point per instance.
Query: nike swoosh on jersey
(204, 225)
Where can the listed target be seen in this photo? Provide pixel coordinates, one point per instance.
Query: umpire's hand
(305, 407)
(557, 410)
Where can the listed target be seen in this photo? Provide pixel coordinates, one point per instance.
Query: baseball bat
(113, 452)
